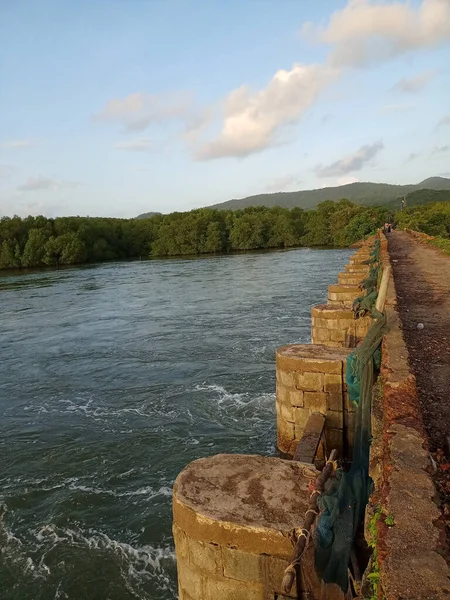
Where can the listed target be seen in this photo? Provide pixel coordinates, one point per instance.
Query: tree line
(40, 241)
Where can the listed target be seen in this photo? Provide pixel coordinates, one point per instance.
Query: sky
(119, 107)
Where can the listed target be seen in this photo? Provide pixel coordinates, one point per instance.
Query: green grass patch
(441, 243)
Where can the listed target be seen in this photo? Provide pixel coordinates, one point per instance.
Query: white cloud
(34, 184)
(138, 145)
(352, 162)
(137, 111)
(412, 156)
(281, 183)
(345, 180)
(414, 84)
(370, 31)
(18, 143)
(440, 150)
(253, 120)
(442, 122)
(248, 121)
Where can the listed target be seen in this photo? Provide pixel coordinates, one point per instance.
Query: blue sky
(117, 107)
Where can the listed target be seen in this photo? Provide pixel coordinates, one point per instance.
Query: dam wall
(237, 518)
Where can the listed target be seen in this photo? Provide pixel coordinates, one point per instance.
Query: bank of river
(112, 378)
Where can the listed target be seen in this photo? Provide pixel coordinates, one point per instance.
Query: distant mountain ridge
(364, 193)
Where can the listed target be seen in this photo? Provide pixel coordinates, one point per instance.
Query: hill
(364, 193)
(148, 215)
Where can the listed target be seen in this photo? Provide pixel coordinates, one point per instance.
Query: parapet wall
(402, 518)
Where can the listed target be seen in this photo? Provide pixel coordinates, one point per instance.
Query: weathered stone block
(321, 335)
(287, 378)
(230, 589)
(287, 412)
(181, 543)
(319, 322)
(285, 434)
(349, 278)
(241, 565)
(362, 269)
(335, 419)
(296, 398)
(310, 381)
(301, 418)
(332, 383)
(347, 324)
(335, 401)
(331, 323)
(337, 335)
(282, 393)
(190, 581)
(273, 571)
(205, 557)
(316, 401)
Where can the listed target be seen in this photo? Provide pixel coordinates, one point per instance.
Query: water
(112, 379)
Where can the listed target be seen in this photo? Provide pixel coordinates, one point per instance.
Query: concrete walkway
(422, 278)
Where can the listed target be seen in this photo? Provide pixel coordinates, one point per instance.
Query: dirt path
(422, 279)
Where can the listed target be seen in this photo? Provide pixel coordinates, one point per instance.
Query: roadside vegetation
(38, 241)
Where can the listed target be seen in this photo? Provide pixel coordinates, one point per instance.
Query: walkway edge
(403, 517)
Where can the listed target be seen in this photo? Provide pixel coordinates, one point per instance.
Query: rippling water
(112, 379)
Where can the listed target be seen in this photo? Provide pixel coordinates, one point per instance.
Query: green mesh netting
(343, 503)
(365, 304)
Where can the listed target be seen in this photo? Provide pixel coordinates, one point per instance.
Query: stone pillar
(311, 378)
(343, 294)
(336, 326)
(234, 522)
(358, 260)
(350, 278)
(360, 269)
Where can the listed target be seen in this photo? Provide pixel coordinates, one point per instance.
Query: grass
(441, 243)
(373, 577)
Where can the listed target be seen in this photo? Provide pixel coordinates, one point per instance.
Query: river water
(112, 378)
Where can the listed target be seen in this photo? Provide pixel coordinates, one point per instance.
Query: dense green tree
(10, 255)
(37, 241)
(34, 251)
(215, 238)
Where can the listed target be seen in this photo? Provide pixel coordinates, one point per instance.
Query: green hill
(364, 193)
(148, 215)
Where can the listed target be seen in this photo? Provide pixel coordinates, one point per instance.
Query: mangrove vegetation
(39, 241)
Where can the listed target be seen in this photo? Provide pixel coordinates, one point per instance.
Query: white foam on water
(140, 563)
(221, 396)
(147, 492)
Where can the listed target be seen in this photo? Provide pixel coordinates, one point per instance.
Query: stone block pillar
(343, 294)
(361, 269)
(336, 326)
(350, 278)
(235, 518)
(311, 378)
